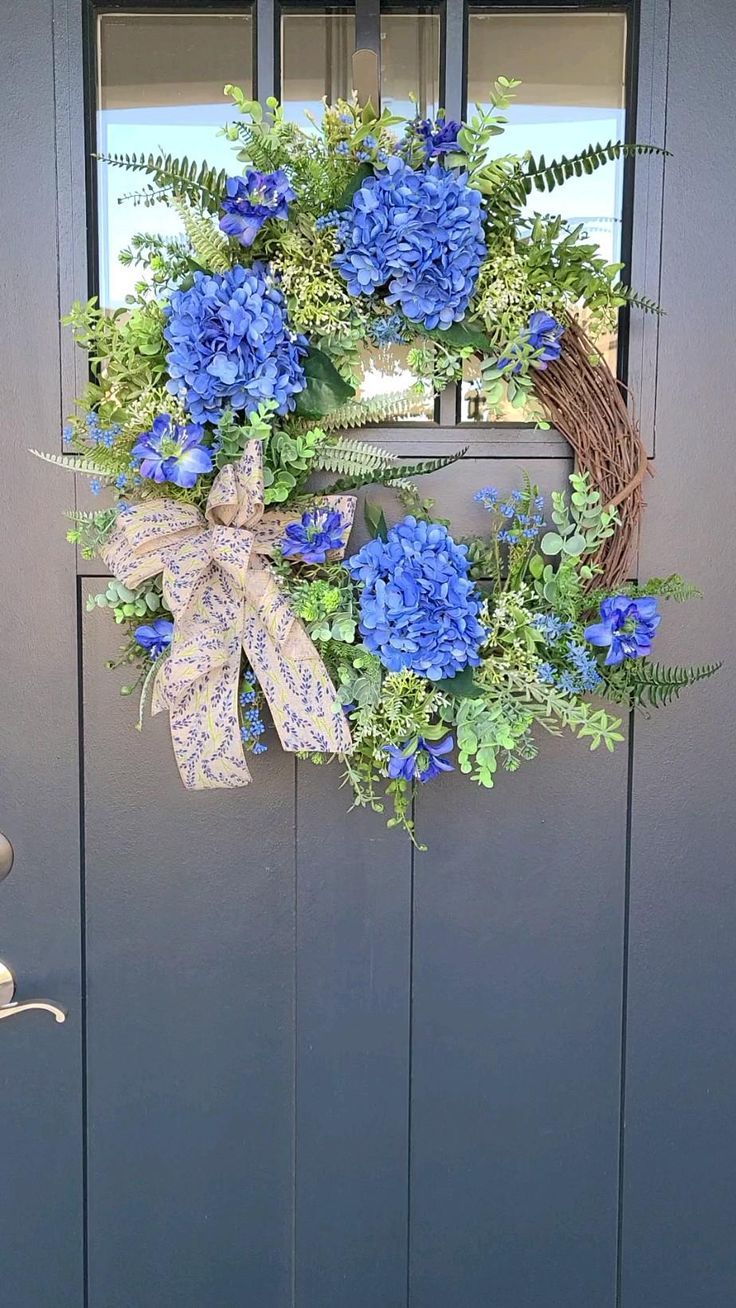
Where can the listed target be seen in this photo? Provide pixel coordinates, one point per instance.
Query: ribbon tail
(302, 699)
(199, 684)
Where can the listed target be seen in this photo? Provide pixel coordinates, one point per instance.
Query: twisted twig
(586, 404)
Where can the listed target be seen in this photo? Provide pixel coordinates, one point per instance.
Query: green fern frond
(211, 246)
(652, 685)
(262, 149)
(348, 456)
(178, 178)
(72, 463)
(673, 588)
(537, 174)
(379, 409)
(638, 301)
(88, 518)
(399, 475)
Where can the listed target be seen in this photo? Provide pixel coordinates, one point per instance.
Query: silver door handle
(9, 1007)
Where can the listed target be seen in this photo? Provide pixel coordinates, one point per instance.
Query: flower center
(169, 447)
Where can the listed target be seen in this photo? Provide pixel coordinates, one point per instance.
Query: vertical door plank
(190, 932)
(41, 1245)
(680, 1155)
(518, 928)
(352, 987)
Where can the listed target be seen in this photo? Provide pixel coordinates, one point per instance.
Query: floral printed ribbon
(224, 597)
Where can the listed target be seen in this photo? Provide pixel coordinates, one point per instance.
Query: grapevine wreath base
(221, 416)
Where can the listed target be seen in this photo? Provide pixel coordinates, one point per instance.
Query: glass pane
(161, 79)
(410, 62)
(316, 61)
(573, 72)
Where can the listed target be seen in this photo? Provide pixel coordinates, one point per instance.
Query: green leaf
(551, 543)
(462, 333)
(574, 545)
(325, 389)
(376, 520)
(461, 685)
(360, 175)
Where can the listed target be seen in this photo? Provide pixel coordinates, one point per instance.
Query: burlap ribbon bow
(225, 597)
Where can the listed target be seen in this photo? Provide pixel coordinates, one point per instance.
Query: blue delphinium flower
(439, 137)
(551, 626)
(543, 333)
(419, 759)
(231, 344)
(251, 200)
(155, 636)
(418, 607)
(319, 531)
(418, 233)
(627, 627)
(585, 666)
(169, 452)
(253, 726)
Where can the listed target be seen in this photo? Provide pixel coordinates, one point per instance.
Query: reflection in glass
(160, 89)
(410, 62)
(573, 72)
(316, 61)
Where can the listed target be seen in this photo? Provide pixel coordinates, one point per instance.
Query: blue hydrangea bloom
(251, 200)
(627, 626)
(319, 531)
(169, 452)
(439, 137)
(155, 636)
(231, 344)
(418, 607)
(421, 235)
(419, 759)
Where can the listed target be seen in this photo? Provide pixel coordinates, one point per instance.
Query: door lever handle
(10, 1007)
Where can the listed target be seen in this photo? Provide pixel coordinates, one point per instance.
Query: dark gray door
(304, 1066)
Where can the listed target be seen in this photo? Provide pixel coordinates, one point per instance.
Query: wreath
(221, 413)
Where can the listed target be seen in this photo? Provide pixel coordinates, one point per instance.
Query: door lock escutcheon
(10, 1007)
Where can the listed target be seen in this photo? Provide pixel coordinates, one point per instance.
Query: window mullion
(454, 69)
(266, 77)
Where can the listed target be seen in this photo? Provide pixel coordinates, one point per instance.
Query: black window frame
(496, 439)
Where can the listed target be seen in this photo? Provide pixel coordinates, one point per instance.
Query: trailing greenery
(400, 472)
(172, 179)
(652, 685)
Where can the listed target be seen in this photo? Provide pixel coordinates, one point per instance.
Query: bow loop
(236, 497)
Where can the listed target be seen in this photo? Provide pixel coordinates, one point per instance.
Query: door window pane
(572, 68)
(410, 62)
(160, 90)
(316, 61)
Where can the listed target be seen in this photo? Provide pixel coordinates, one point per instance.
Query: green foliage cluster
(144, 602)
